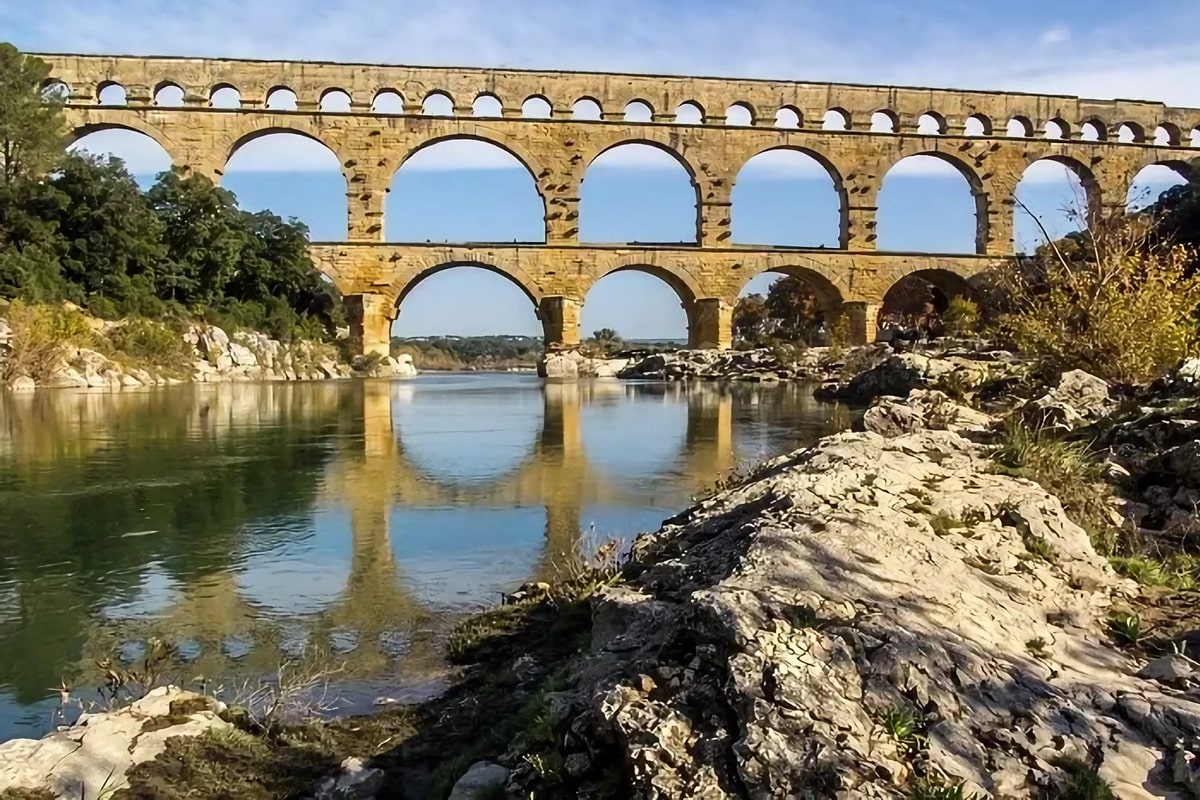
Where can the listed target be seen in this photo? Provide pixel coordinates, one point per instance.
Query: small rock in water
(355, 781)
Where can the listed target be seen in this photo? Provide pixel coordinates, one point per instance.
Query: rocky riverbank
(68, 349)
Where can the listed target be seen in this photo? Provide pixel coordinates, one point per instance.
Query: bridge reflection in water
(284, 583)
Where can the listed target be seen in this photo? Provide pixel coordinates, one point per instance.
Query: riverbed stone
(558, 366)
(483, 777)
(1076, 400)
(21, 383)
(91, 758)
(354, 781)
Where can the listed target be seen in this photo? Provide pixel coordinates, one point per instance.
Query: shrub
(149, 342)
(1114, 303)
(961, 317)
(39, 334)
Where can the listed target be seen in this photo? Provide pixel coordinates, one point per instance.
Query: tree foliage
(790, 312)
(78, 228)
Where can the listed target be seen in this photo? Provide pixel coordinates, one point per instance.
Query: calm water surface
(255, 524)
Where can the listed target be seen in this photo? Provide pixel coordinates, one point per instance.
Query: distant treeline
(470, 352)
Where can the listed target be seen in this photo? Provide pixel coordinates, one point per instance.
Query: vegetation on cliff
(78, 228)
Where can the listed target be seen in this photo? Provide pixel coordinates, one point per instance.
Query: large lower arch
(791, 302)
(931, 185)
(639, 191)
(915, 303)
(787, 196)
(641, 302)
(465, 188)
(467, 300)
(1055, 196)
(1152, 180)
(293, 174)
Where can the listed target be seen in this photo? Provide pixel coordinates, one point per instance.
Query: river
(340, 523)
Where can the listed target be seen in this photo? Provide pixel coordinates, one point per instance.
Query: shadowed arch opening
(585, 108)
(55, 91)
(789, 303)
(689, 113)
(914, 305)
(788, 117)
(1130, 132)
(638, 192)
(1056, 129)
(293, 175)
(978, 125)
(1167, 135)
(225, 96)
(143, 156)
(931, 124)
(927, 187)
(335, 101)
(281, 98)
(883, 122)
(467, 298)
(836, 119)
(787, 197)
(1054, 194)
(1154, 179)
(641, 303)
(537, 107)
(464, 189)
(1019, 128)
(387, 101)
(111, 94)
(1093, 131)
(168, 95)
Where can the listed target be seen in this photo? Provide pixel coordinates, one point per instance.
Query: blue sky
(465, 192)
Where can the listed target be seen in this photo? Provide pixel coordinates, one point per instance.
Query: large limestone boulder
(778, 636)
(900, 374)
(480, 781)
(923, 409)
(21, 383)
(1079, 398)
(91, 758)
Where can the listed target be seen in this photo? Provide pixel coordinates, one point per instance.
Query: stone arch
(885, 121)
(836, 195)
(402, 285)
(974, 187)
(638, 110)
(836, 119)
(689, 112)
(293, 173)
(111, 93)
(335, 100)
(1019, 127)
(1052, 208)
(1153, 177)
(1057, 128)
(789, 118)
(168, 94)
(537, 106)
(931, 123)
(633, 147)
(829, 295)
(1093, 129)
(487, 104)
(55, 89)
(917, 298)
(281, 98)
(587, 109)
(676, 277)
(978, 125)
(387, 101)
(518, 189)
(1130, 133)
(437, 103)
(133, 126)
(224, 95)
(740, 114)
(1167, 135)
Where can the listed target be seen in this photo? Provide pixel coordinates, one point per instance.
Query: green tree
(750, 319)
(32, 127)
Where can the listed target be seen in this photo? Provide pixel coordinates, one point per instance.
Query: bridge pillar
(560, 321)
(562, 218)
(714, 223)
(864, 320)
(371, 318)
(364, 210)
(1000, 211)
(710, 324)
(858, 226)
